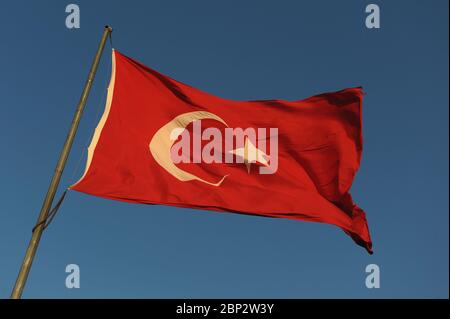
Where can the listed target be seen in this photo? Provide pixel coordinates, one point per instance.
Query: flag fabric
(163, 142)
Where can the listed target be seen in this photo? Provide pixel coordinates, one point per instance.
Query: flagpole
(36, 236)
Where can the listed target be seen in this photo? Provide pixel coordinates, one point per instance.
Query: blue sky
(239, 50)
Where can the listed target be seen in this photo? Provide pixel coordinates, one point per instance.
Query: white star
(251, 154)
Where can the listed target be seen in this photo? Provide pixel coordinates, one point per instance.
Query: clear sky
(238, 50)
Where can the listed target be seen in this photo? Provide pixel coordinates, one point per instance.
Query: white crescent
(161, 144)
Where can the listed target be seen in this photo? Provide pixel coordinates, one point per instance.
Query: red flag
(163, 142)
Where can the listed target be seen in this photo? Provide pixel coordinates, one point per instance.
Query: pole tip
(110, 29)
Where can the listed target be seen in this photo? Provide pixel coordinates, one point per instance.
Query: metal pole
(34, 242)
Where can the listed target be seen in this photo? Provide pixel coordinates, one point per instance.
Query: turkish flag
(163, 142)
